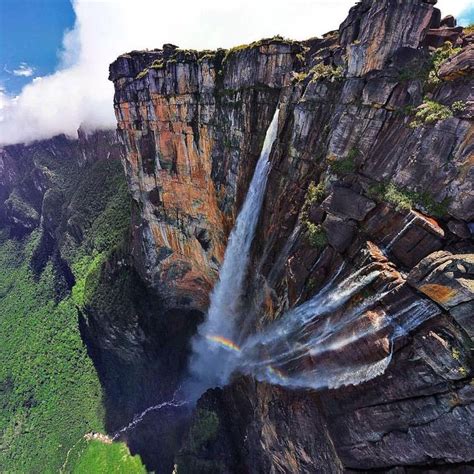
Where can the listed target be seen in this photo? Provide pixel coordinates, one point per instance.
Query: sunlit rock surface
(193, 126)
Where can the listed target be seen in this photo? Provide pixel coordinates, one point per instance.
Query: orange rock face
(439, 293)
(191, 148)
(175, 167)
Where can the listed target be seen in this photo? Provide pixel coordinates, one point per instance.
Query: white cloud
(4, 100)
(23, 70)
(450, 7)
(79, 91)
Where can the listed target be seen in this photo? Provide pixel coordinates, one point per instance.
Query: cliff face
(193, 126)
(32, 176)
(373, 160)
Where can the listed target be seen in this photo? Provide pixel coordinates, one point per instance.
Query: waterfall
(209, 365)
(401, 232)
(308, 346)
(138, 418)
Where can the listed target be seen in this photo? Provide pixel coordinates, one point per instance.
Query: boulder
(459, 228)
(458, 66)
(408, 238)
(446, 278)
(378, 91)
(415, 244)
(316, 214)
(448, 21)
(346, 203)
(436, 37)
(464, 315)
(339, 232)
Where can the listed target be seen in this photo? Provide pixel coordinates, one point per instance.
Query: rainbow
(224, 342)
(277, 372)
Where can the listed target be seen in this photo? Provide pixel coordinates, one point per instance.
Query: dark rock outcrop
(459, 66)
(346, 203)
(374, 31)
(279, 431)
(448, 279)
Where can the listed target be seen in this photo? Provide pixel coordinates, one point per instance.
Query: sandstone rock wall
(373, 156)
(193, 125)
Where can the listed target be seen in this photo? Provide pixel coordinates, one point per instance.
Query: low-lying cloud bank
(79, 92)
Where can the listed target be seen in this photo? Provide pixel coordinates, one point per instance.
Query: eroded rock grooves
(374, 158)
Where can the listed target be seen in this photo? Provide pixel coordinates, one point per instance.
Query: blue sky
(31, 33)
(466, 17)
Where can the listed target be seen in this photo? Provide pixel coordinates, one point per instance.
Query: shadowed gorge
(66, 210)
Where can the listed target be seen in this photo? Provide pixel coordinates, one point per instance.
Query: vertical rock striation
(193, 125)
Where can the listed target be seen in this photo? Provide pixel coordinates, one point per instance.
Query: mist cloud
(79, 92)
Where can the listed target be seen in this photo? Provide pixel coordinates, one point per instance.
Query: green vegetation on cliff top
(182, 55)
(404, 199)
(430, 112)
(277, 39)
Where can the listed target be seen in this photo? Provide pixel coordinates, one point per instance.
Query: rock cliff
(373, 160)
(193, 128)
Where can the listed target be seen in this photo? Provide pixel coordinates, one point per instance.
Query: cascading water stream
(407, 223)
(312, 357)
(173, 403)
(209, 362)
